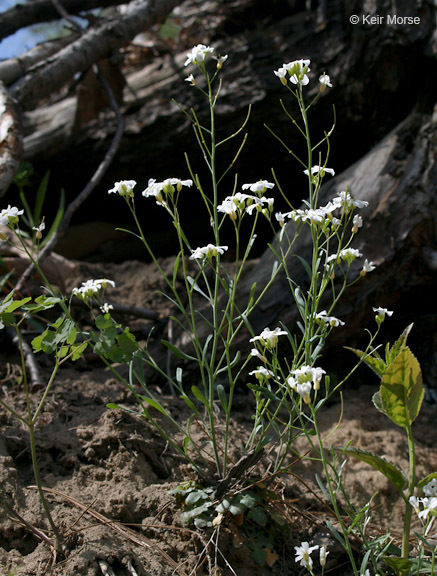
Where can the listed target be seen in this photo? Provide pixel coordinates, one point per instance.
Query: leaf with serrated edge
(390, 470)
(402, 390)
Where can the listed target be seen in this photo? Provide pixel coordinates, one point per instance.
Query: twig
(34, 374)
(29, 526)
(116, 526)
(95, 179)
(134, 311)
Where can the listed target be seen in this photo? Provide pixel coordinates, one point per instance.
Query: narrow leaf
(176, 351)
(222, 397)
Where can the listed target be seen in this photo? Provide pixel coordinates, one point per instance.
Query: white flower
(325, 81)
(298, 70)
(124, 188)
(323, 554)
(430, 489)
(319, 170)
(348, 255)
(220, 61)
(269, 338)
(382, 312)
(228, 207)
(366, 573)
(39, 230)
(168, 186)
(207, 251)
(415, 503)
(260, 186)
(357, 222)
(303, 554)
(91, 287)
(302, 379)
(281, 73)
(332, 321)
(346, 202)
(9, 215)
(191, 80)
(257, 354)
(106, 308)
(367, 267)
(198, 54)
(261, 374)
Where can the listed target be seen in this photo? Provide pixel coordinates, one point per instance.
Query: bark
(38, 11)
(11, 143)
(12, 69)
(94, 45)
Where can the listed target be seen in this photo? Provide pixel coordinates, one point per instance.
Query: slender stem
(411, 485)
(31, 427)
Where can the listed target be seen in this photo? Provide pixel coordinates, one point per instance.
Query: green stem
(411, 485)
(31, 426)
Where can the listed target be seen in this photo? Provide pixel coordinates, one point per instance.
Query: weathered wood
(37, 11)
(94, 45)
(11, 144)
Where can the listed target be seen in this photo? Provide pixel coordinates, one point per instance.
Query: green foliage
(248, 509)
(112, 342)
(390, 470)
(60, 338)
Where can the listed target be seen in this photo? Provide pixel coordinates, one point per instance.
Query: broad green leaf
(400, 565)
(402, 390)
(390, 470)
(78, 350)
(258, 515)
(376, 363)
(376, 399)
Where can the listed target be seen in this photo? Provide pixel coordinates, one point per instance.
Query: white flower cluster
(324, 319)
(344, 201)
(90, 288)
(9, 215)
(159, 190)
(304, 379)
(268, 338)
(297, 71)
(209, 251)
(198, 55)
(156, 189)
(303, 555)
(240, 203)
(124, 188)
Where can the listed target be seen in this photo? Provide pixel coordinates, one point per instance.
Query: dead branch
(11, 141)
(37, 11)
(92, 46)
(131, 535)
(97, 176)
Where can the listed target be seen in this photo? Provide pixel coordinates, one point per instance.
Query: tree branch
(95, 44)
(37, 11)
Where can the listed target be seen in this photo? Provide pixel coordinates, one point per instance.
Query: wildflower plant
(282, 367)
(210, 312)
